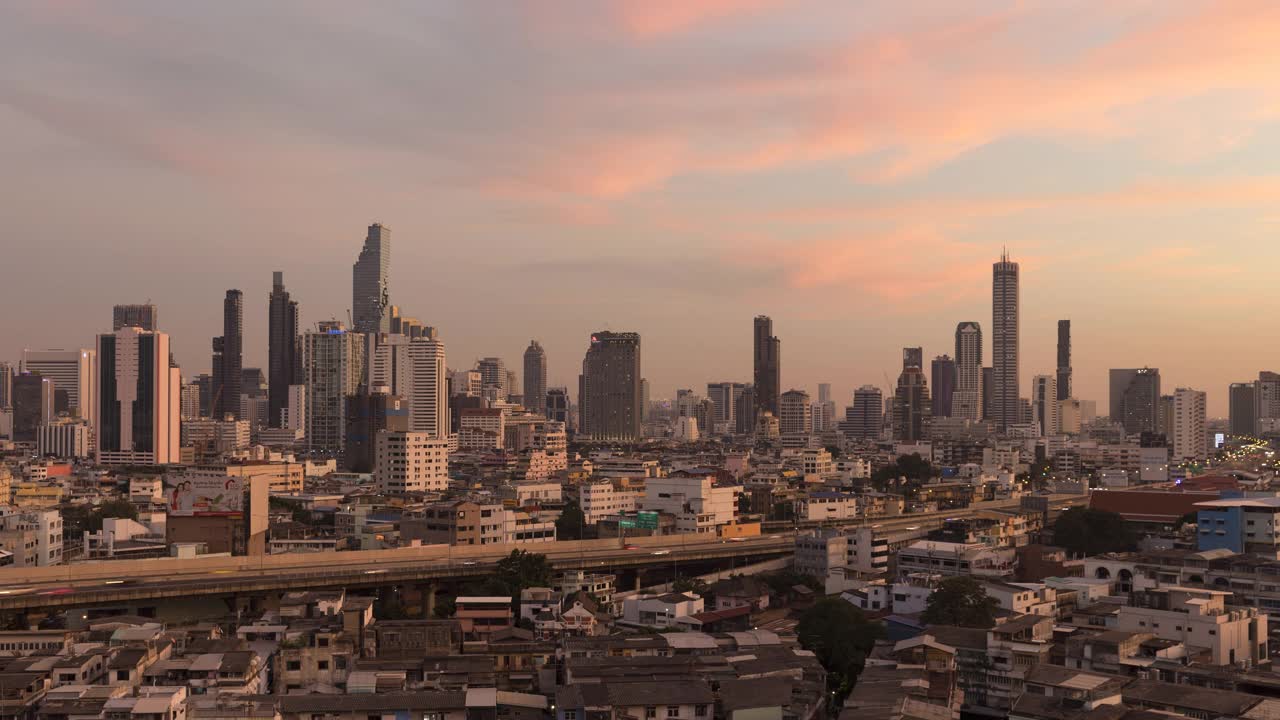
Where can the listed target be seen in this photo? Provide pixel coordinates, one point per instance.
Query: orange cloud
(653, 18)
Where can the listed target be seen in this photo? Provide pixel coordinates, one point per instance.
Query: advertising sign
(204, 496)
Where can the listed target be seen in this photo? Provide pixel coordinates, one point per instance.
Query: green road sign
(627, 524)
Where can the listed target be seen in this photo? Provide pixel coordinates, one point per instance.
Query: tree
(840, 636)
(913, 467)
(1085, 531)
(694, 585)
(960, 601)
(744, 503)
(118, 509)
(571, 522)
(521, 570)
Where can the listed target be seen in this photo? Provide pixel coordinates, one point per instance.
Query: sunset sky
(671, 167)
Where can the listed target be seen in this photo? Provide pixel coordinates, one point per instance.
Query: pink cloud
(653, 18)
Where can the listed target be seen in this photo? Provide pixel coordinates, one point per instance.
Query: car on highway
(660, 552)
(629, 547)
(468, 563)
(737, 539)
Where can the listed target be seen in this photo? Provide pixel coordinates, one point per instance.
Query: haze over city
(670, 168)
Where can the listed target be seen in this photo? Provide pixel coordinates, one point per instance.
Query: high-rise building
(283, 346)
(911, 404)
(32, 405)
(139, 316)
(371, 283)
(228, 358)
(1064, 359)
(557, 405)
(864, 418)
(644, 399)
(1189, 439)
(609, 395)
(1268, 394)
(744, 410)
(535, 378)
(794, 416)
(411, 462)
(1004, 343)
(988, 393)
(6, 385)
(727, 396)
(72, 371)
(1045, 407)
(768, 365)
(369, 412)
(966, 399)
(428, 391)
(139, 399)
(943, 374)
(334, 361)
(493, 374)
(1243, 409)
(824, 393)
(1135, 399)
(189, 402)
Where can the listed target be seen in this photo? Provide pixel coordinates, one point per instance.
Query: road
(112, 582)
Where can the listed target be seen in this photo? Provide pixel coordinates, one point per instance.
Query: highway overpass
(122, 582)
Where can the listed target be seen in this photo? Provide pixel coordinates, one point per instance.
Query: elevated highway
(127, 581)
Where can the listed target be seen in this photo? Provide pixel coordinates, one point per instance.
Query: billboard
(204, 495)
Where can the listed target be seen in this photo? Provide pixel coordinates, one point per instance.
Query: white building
(189, 404)
(698, 505)
(819, 506)
(604, 499)
(30, 538)
(817, 464)
(672, 610)
(794, 416)
(944, 558)
(64, 438)
(139, 400)
(295, 413)
(1045, 407)
(333, 362)
(72, 371)
(1236, 636)
(406, 462)
(210, 436)
(1189, 439)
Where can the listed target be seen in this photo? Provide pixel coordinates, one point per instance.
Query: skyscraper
(6, 385)
(824, 393)
(535, 378)
(1064, 359)
(228, 358)
(943, 376)
(32, 405)
(139, 316)
(1004, 343)
(1135, 398)
(966, 400)
(768, 366)
(334, 369)
(1188, 437)
(283, 348)
(988, 393)
(493, 374)
(1268, 394)
(413, 369)
(911, 404)
(728, 397)
(139, 399)
(1045, 408)
(864, 418)
(72, 371)
(1243, 409)
(609, 395)
(558, 404)
(794, 417)
(371, 283)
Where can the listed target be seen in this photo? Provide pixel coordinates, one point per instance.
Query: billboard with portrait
(204, 496)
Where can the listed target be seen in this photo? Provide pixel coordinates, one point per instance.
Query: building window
(570, 715)
(673, 711)
(700, 711)
(322, 665)
(650, 713)
(293, 665)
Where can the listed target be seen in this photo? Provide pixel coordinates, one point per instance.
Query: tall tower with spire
(371, 283)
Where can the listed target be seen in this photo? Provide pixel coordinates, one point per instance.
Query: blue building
(1242, 525)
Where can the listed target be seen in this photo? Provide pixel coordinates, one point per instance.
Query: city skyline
(158, 186)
